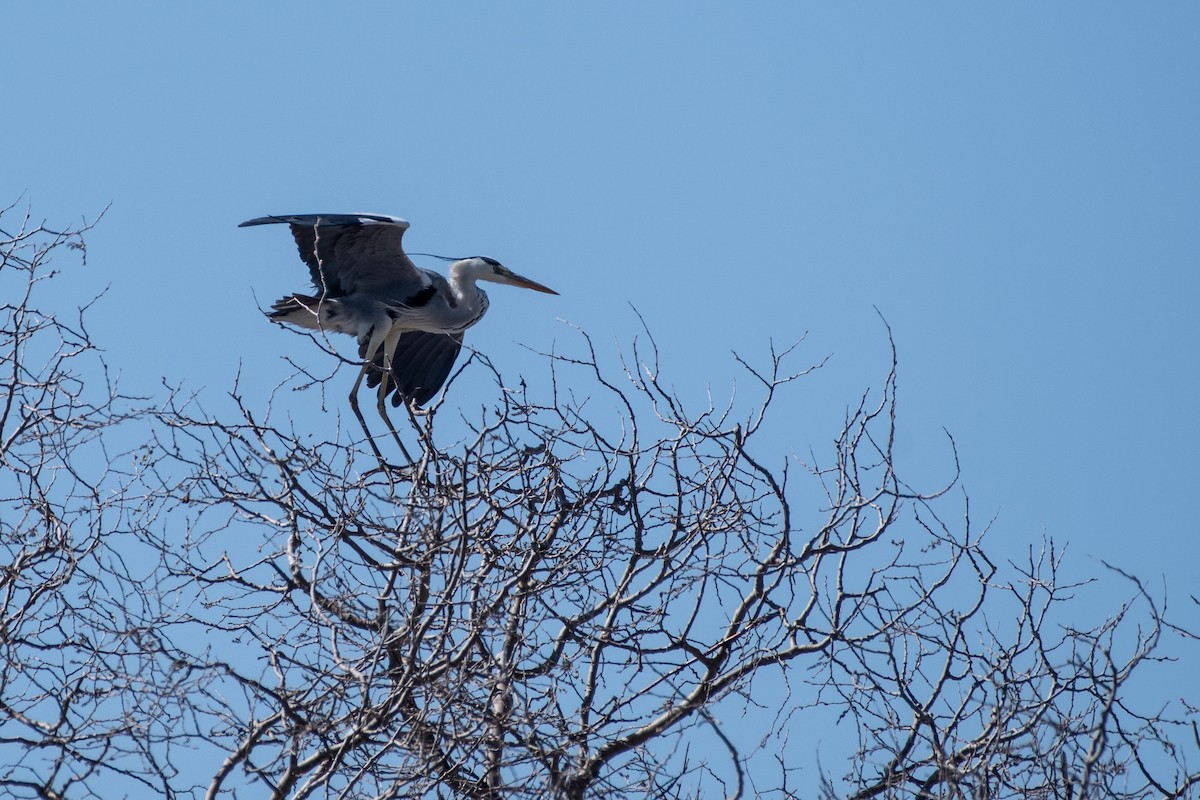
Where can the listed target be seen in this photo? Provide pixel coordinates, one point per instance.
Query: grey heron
(409, 321)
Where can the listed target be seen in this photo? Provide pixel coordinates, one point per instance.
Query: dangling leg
(375, 341)
(389, 349)
(354, 406)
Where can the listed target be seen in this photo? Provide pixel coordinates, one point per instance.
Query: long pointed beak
(525, 283)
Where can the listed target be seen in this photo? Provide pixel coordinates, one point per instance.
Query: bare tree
(559, 605)
(576, 591)
(73, 632)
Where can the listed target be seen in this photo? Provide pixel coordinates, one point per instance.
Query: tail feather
(305, 311)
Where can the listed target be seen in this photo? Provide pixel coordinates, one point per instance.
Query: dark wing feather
(421, 365)
(352, 253)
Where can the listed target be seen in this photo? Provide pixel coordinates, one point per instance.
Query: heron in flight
(409, 321)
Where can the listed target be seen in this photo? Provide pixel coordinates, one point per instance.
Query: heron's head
(489, 269)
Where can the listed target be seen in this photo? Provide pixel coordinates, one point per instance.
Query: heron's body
(409, 321)
(437, 306)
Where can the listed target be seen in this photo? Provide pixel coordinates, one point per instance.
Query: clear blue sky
(1015, 186)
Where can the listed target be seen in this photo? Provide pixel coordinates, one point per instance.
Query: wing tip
(327, 219)
(259, 221)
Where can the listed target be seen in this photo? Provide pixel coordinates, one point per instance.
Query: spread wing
(353, 253)
(421, 365)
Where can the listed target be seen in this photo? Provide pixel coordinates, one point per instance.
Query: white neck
(464, 274)
(472, 301)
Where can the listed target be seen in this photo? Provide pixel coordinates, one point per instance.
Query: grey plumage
(420, 365)
(407, 320)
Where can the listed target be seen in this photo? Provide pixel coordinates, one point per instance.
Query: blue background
(1015, 187)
